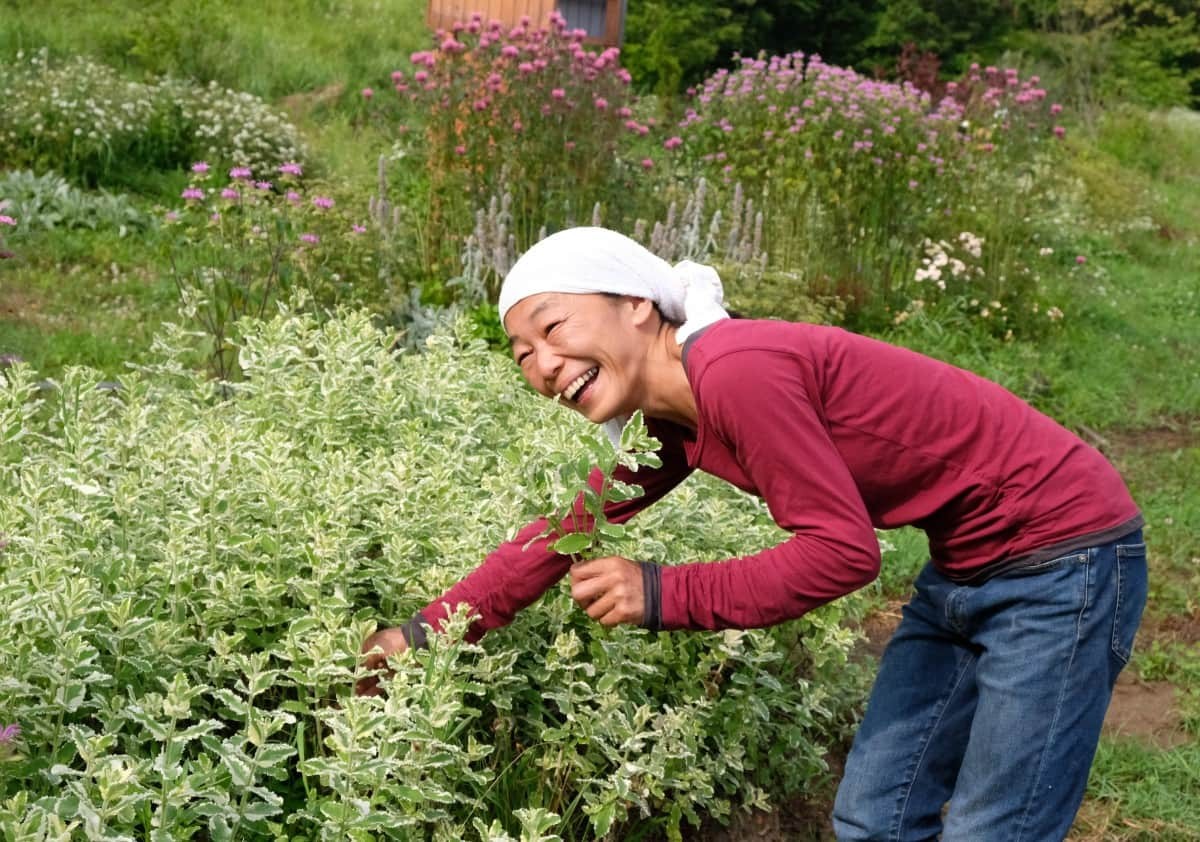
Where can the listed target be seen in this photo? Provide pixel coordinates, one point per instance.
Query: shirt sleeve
(761, 406)
(514, 575)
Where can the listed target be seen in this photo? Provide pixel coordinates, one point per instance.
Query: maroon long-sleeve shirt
(839, 434)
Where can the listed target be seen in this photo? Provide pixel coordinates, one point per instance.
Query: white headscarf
(591, 260)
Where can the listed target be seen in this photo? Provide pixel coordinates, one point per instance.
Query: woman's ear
(644, 311)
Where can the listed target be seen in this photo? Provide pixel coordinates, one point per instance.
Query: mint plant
(187, 581)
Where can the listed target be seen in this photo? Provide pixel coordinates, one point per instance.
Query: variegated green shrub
(186, 580)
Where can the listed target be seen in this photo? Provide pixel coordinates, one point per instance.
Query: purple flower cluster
(799, 108)
(245, 197)
(495, 96)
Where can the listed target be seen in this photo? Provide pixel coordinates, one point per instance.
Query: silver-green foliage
(48, 201)
(186, 581)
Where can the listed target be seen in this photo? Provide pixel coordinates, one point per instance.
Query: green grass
(77, 297)
(272, 48)
(1142, 794)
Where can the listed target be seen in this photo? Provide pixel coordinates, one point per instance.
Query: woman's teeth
(573, 389)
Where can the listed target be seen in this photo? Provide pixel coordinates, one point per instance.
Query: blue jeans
(991, 698)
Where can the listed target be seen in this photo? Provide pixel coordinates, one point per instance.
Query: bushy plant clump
(82, 119)
(186, 582)
(44, 202)
(529, 111)
(853, 175)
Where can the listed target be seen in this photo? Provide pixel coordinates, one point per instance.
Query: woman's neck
(668, 392)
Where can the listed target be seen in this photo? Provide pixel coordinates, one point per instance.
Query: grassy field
(1123, 370)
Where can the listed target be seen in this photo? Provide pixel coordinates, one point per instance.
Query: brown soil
(1175, 628)
(1178, 434)
(1146, 711)
(298, 105)
(16, 305)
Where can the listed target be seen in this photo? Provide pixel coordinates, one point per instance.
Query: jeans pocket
(1131, 598)
(1049, 564)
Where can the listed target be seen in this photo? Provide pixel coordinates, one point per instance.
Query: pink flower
(310, 238)
(172, 216)
(525, 67)
(200, 167)
(263, 185)
(216, 217)
(450, 45)
(290, 168)
(558, 93)
(673, 142)
(229, 193)
(570, 145)
(647, 163)
(323, 202)
(510, 51)
(1080, 260)
(460, 150)
(358, 229)
(397, 76)
(601, 103)
(420, 76)
(1059, 132)
(5, 219)
(9, 733)
(517, 126)
(367, 93)
(913, 185)
(240, 172)
(192, 193)
(1056, 108)
(293, 197)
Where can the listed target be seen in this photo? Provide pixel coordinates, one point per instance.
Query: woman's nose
(549, 366)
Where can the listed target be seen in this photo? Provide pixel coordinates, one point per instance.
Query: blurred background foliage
(1147, 51)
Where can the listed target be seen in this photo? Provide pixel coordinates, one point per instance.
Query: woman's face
(585, 349)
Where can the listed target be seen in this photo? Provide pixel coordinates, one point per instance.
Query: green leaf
(571, 544)
(219, 830)
(602, 819)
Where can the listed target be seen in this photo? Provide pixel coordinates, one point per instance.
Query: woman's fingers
(609, 589)
(377, 648)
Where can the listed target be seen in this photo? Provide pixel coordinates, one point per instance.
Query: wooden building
(603, 20)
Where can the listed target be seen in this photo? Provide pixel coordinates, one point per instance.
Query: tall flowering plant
(242, 244)
(524, 110)
(854, 174)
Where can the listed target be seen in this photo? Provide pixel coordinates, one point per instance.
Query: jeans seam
(1052, 732)
(1116, 624)
(910, 773)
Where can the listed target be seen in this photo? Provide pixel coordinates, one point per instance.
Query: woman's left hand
(609, 589)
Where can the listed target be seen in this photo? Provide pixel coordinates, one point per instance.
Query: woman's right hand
(384, 642)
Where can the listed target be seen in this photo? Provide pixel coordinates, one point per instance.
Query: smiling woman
(999, 675)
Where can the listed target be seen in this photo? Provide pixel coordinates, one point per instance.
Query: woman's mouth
(580, 384)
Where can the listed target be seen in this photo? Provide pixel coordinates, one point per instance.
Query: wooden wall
(442, 13)
(603, 19)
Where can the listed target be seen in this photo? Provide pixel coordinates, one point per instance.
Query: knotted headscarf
(596, 260)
